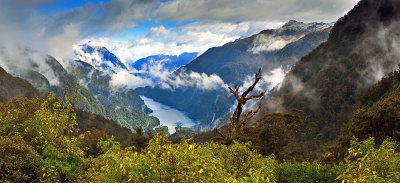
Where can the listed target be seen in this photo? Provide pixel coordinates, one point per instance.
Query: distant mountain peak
(301, 27)
(275, 39)
(99, 57)
(291, 23)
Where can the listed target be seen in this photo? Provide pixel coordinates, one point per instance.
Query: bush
(163, 161)
(366, 163)
(19, 162)
(307, 172)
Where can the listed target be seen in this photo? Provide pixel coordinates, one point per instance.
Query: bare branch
(256, 96)
(219, 133)
(235, 93)
(236, 124)
(257, 78)
(251, 113)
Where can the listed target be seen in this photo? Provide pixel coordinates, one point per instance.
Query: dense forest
(40, 143)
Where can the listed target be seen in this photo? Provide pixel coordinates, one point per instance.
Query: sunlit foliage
(39, 143)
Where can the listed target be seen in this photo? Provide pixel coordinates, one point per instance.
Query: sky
(134, 29)
(153, 26)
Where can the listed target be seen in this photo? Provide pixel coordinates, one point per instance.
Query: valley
(167, 115)
(200, 91)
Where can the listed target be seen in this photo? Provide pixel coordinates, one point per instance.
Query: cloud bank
(212, 23)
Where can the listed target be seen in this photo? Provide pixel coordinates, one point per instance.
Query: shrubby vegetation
(39, 143)
(366, 163)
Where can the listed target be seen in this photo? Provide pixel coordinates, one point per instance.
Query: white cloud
(157, 70)
(201, 81)
(273, 77)
(269, 43)
(215, 23)
(95, 59)
(157, 31)
(268, 81)
(124, 78)
(246, 10)
(55, 33)
(194, 37)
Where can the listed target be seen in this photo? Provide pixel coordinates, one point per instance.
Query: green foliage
(19, 162)
(59, 166)
(307, 172)
(119, 104)
(131, 118)
(378, 117)
(366, 163)
(40, 122)
(39, 143)
(48, 126)
(88, 142)
(138, 140)
(126, 116)
(272, 133)
(241, 162)
(14, 87)
(163, 161)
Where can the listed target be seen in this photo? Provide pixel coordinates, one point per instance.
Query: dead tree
(237, 121)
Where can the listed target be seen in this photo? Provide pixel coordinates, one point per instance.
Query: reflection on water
(168, 116)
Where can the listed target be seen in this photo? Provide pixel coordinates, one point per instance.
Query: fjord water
(168, 116)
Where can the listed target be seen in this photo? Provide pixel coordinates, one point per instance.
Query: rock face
(275, 51)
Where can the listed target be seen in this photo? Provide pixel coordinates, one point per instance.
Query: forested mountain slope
(328, 83)
(96, 95)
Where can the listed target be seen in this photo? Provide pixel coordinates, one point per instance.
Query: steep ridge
(378, 115)
(15, 87)
(11, 87)
(271, 50)
(96, 96)
(328, 83)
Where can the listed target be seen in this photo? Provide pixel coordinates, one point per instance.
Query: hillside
(11, 87)
(328, 83)
(96, 95)
(14, 87)
(275, 51)
(378, 115)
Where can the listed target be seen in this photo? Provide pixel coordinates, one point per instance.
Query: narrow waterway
(168, 116)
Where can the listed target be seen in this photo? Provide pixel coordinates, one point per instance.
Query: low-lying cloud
(126, 79)
(269, 80)
(214, 24)
(201, 81)
(264, 43)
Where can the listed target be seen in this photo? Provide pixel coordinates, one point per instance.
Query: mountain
(157, 67)
(378, 115)
(99, 57)
(96, 95)
(15, 87)
(328, 83)
(11, 87)
(169, 62)
(98, 83)
(275, 51)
